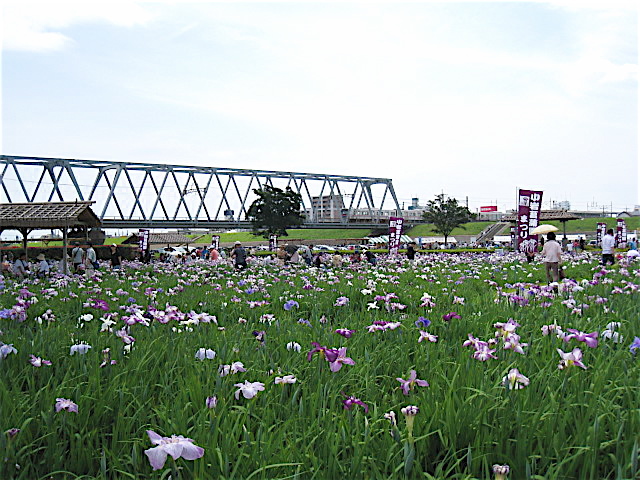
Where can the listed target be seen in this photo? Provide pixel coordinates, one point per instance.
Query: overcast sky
(471, 99)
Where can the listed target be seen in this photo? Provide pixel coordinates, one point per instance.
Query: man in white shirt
(552, 252)
(608, 244)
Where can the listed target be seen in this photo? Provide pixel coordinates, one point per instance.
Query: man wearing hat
(43, 266)
(239, 256)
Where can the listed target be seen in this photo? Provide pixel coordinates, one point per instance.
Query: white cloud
(37, 25)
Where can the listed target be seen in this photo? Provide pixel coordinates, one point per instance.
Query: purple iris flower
(289, 304)
(346, 333)
(66, 404)
(412, 381)
(338, 357)
(350, 401)
(341, 301)
(450, 316)
(590, 339)
(634, 345)
(422, 322)
(317, 348)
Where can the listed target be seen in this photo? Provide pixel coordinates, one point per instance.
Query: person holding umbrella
(552, 252)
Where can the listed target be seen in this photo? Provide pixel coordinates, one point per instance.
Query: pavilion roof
(45, 215)
(161, 238)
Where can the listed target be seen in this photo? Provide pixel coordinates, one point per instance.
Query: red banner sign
(601, 231)
(395, 234)
(529, 205)
(143, 239)
(488, 208)
(215, 242)
(621, 233)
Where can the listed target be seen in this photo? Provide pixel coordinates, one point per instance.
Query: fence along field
(438, 369)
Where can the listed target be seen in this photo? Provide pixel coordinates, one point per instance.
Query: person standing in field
(608, 245)
(92, 259)
(77, 257)
(239, 255)
(411, 251)
(115, 257)
(552, 252)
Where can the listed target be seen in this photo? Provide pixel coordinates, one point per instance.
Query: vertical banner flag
(395, 232)
(601, 231)
(513, 236)
(215, 242)
(143, 239)
(273, 243)
(529, 204)
(621, 233)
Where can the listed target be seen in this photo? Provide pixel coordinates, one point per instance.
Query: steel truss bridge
(133, 195)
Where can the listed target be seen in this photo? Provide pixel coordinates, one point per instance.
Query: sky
(470, 99)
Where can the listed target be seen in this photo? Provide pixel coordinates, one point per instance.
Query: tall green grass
(565, 425)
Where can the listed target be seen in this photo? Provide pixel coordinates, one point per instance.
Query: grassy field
(158, 321)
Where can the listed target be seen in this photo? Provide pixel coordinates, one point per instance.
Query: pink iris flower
(176, 445)
(411, 382)
(590, 339)
(66, 404)
(570, 359)
(37, 361)
(338, 357)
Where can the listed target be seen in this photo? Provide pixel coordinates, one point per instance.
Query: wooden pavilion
(26, 217)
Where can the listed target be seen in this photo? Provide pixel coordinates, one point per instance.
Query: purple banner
(273, 243)
(601, 231)
(529, 205)
(215, 242)
(513, 236)
(621, 233)
(143, 239)
(395, 234)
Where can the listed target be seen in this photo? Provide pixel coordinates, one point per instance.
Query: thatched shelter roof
(46, 215)
(161, 238)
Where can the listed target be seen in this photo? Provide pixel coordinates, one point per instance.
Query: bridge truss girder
(130, 194)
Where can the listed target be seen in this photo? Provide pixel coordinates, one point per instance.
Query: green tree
(274, 211)
(446, 214)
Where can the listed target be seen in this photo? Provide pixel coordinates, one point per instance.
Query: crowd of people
(84, 260)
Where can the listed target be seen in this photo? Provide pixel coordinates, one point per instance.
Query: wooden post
(65, 264)
(25, 234)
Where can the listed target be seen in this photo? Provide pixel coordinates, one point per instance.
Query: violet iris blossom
(450, 316)
(290, 304)
(422, 322)
(337, 357)
(350, 401)
(411, 382)
(634, 345)
(346, 333)
(66, 404)
(317, 348)
(590, 339)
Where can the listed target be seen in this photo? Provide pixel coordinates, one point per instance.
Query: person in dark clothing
(115, 257)
(370, 256)
(239, 256)
(411, 251)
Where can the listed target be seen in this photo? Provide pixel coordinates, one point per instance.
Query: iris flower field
(454, 367)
